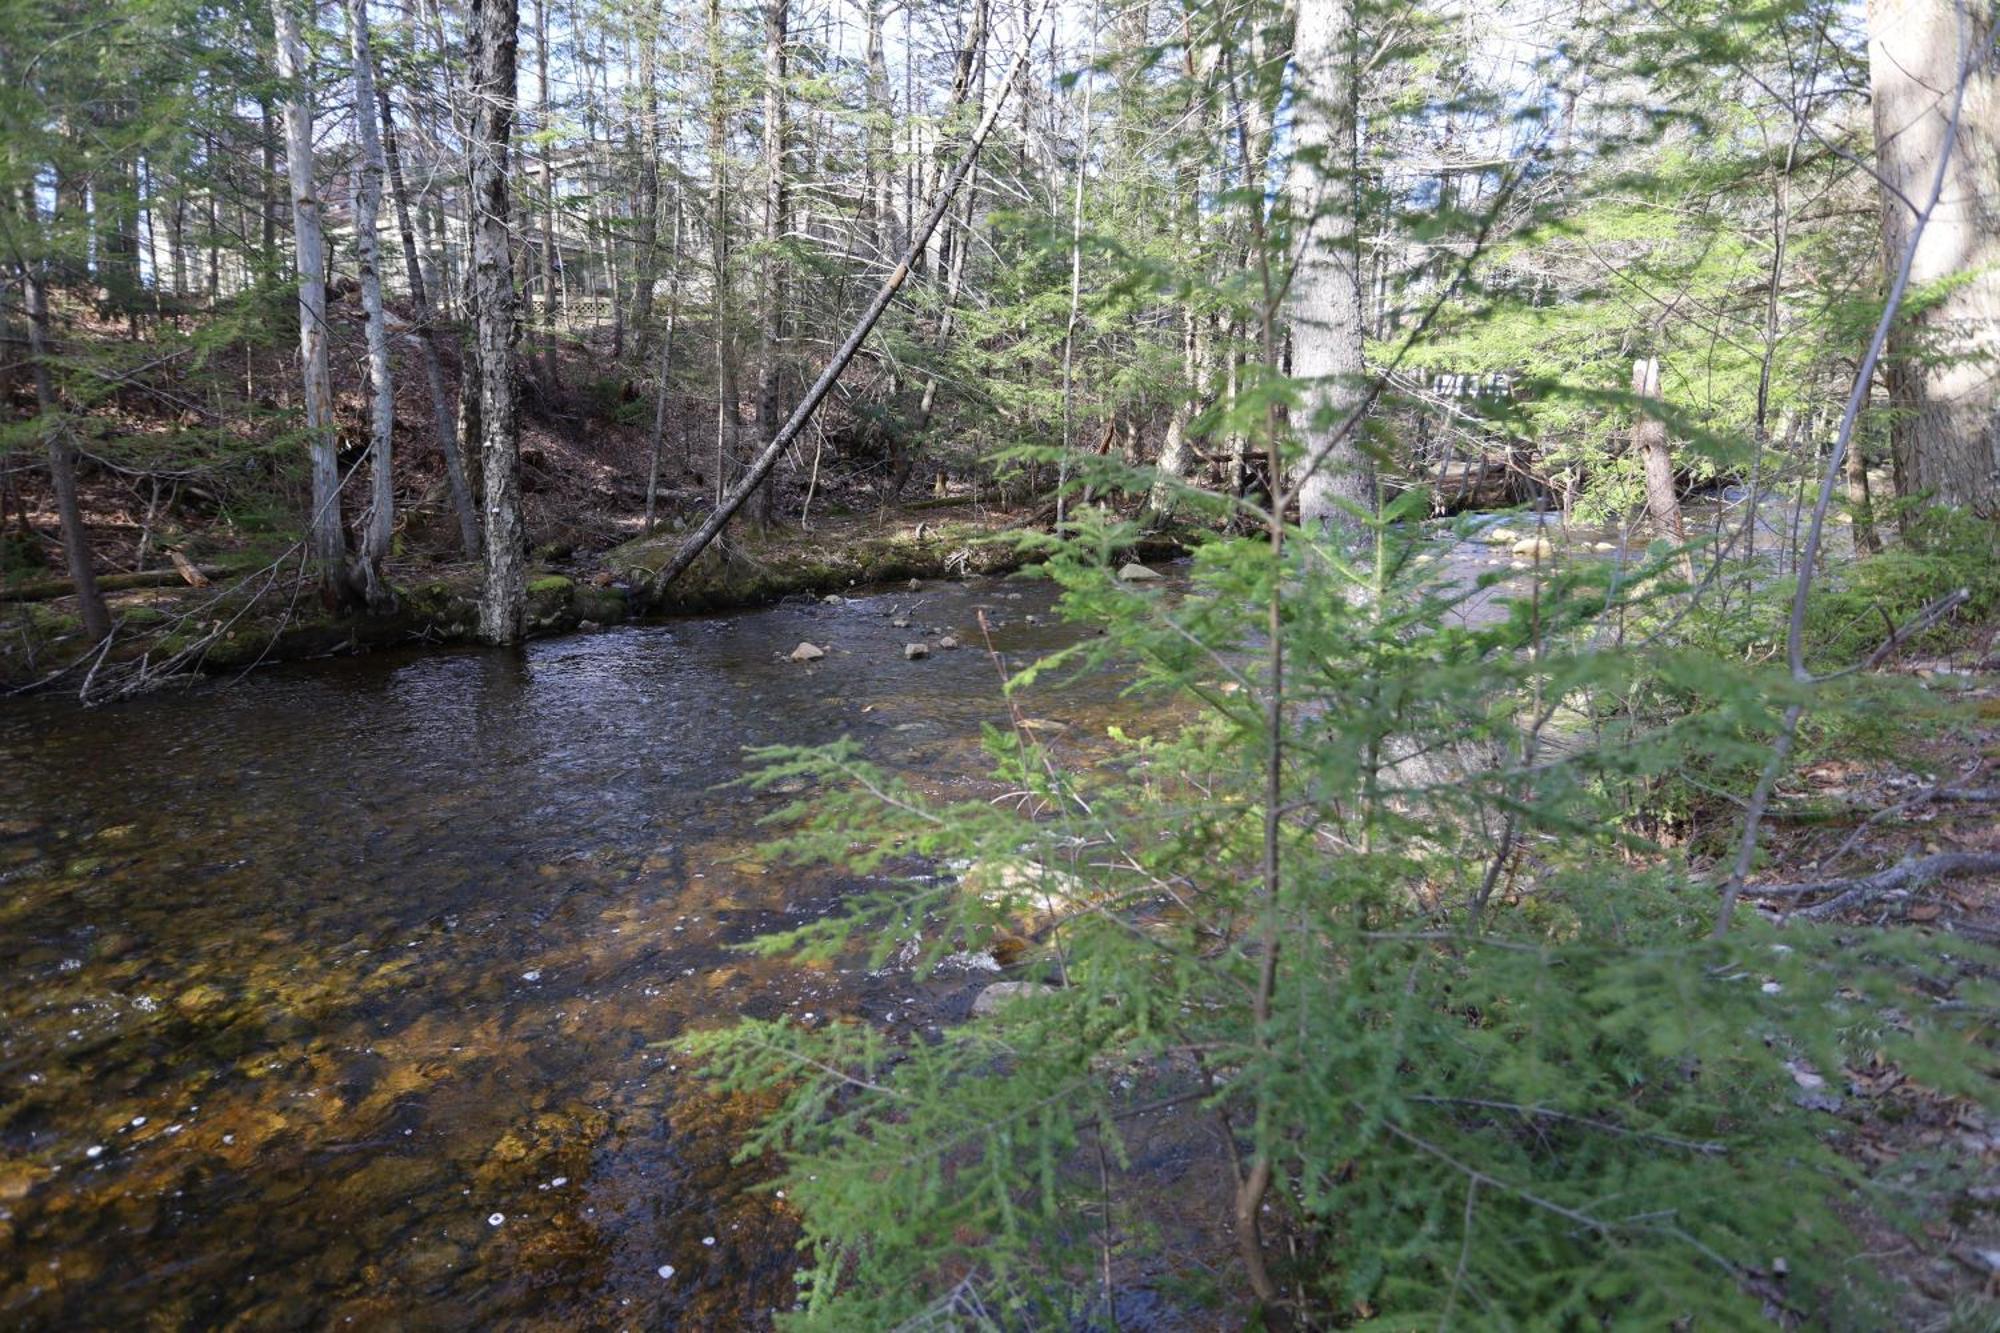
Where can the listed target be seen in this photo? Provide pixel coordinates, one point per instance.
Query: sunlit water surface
(333, 994)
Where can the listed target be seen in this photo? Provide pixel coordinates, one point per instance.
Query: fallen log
(1909, 873)
(44, 590)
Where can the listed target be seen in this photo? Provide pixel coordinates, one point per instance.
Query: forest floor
(203, 570)
(1939, 1156)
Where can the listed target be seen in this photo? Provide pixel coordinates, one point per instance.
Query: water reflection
(331, 996)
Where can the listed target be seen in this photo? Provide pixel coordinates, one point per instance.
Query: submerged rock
(807, 652)
(1002, 993)
(1133, 572)
(900, 622)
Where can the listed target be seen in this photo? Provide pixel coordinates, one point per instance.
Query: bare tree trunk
(881, 166)
(1075, 283)
(427, 342)
(664, 387)
(379, 527)
(1944, 377)
(1176, 449)
(549, 256)
(493, 40)
(326, 541)
(771, 272)
(727, 421)
(1649, 441)
(648, 203)
(1337, 487)
(62, 459)
(1859, 503)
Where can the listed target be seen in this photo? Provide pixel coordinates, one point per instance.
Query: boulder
(1002, 993)
(1133, 572)
(1534, 548)
(947, 642)
(913, 652)
(1500, 536)
(807, 652)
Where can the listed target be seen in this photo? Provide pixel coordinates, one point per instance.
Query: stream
(334, 995)
(330, 995)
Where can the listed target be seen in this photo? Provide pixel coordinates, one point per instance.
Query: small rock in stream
(947, 642)
(913, 652)
(807, 652)
(1006, 992)
(1132, 572)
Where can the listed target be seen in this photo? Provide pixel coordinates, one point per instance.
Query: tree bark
(664, 386)
(1944, 357)
(379, 526)
(648, 203)
(493, 42)
(325, 540)
(727, 420)
(1649, 441)
(771, 272)
(427, 342)
(1322, 189)
(62, 460)
(549, 252)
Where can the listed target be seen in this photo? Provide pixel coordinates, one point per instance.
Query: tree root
(1905, 874)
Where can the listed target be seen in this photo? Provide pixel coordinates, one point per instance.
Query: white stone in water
(1133, 572)
(807, 652)
(558, 1182)
(95, 1150)
(708, 1240)
(495, 1219)
(138, 1120)
(916, 651)
(532, 974)
(666, 1270)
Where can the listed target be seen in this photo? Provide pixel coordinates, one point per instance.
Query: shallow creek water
(329, 996)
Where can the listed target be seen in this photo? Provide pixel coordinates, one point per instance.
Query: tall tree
(427, 341)
(380, 523)
(326, 540)
(1322, 190)
(1945, 353)
(62, 456)
(493, 41)
(646, 202)
(771, 272)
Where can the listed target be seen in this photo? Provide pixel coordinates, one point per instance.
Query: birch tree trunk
(325, 540)
(1336, 483)
(771, 272)
(379, 527)
(1944, 359)
(493, 40)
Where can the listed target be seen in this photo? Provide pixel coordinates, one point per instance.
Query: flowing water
(330, 997)
(333, 996)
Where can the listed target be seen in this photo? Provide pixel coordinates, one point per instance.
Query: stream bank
(254, 616)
